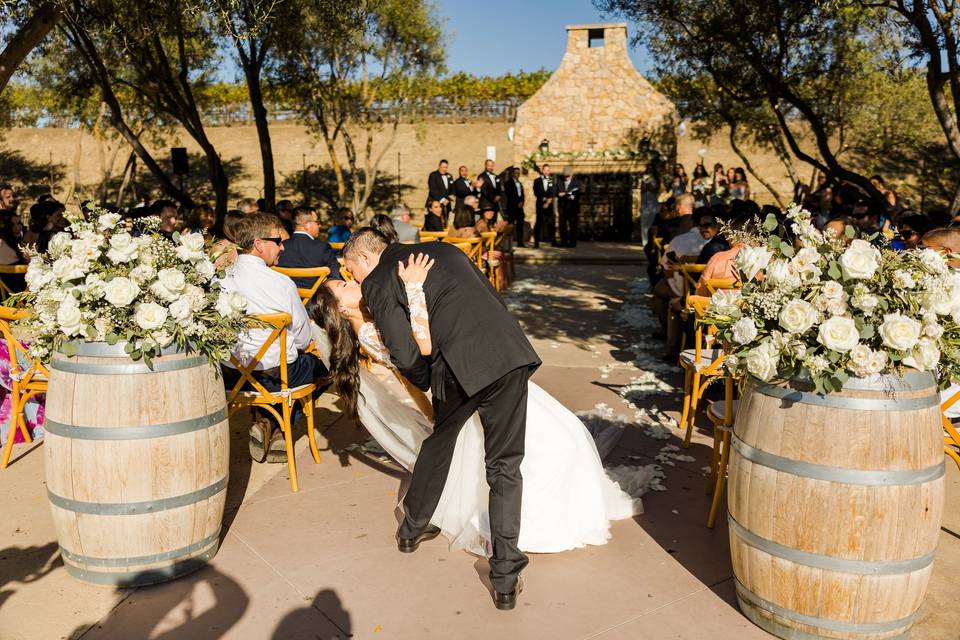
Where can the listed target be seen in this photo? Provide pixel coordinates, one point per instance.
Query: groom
(481, 361)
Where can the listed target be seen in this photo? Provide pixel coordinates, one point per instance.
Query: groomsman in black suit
(490, 189)
(515, 197)
(440, 188)
(463, 187)
(569, 192)
(545, 192)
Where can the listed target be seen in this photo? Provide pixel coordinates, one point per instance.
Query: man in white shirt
(258, 239)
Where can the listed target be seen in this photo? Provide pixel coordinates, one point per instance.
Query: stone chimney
(596, 101)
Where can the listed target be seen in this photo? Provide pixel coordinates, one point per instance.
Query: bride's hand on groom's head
(416, 268)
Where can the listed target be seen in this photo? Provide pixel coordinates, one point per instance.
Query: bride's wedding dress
(568, 499)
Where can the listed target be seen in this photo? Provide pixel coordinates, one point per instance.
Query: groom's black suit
(481, 361)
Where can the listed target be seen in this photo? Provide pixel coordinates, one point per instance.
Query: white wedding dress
(568, 499)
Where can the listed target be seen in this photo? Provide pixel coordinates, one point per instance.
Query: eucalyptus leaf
(128, 348)
(786, 250)
(867, 331)
(91, 332)
(112, 338)
(69, 349)
(834, 271)
(770, 223)
(849, 231)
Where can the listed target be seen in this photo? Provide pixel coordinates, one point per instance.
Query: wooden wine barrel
(136, 464)
(835, 505)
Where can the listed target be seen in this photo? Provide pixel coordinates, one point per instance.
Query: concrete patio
(323, 564)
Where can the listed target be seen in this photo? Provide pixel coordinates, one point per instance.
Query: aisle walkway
(322, 564)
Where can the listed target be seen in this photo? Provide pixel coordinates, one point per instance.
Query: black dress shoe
(409, 545)
(507, 601)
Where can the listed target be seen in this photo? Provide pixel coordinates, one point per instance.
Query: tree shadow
(30, 178)
(335, 623)
(24, 565)
(318, 186)
(175, 610)
(196, 184)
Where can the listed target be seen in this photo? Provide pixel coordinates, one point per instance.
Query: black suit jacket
(461, 189)
(543, 189)
(462, 307)
(570, 203)
(514, 200)
(301, 251)
(489, 192)
(436, 188)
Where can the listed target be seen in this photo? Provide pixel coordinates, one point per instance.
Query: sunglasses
(276, 241)
(350, 219)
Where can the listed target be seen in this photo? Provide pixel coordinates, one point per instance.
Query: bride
(568, 500)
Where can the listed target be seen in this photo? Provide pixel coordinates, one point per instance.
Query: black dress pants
(568, 227)
(503, 413)
(543, 228)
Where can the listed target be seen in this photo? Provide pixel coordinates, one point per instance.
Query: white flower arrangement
(814, 306)
(108, 280)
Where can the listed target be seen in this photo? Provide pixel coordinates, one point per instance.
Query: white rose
(860, 360)
(744, 330)
(925, 355)
(162, 337)
(150, 315)
(231, 303)
(833, 290)
(169, 284)
(123, 248)
(143, 273)
(932, 260)
(182, 312)
(69, 317)
(877, 363)
(191, 247)
(867, 303)
(205, 269)
(837, 307)
(752, 260)
(108, 221)
(103, 327)
(839, 334)
(58, 244)
(797, 316)
(120, 291)
(782, 274)
(86, 248)
(38, 275)
(860, 260)
(762, 361)
(66, 268)
(723, 302)
(805, 258)
(196, 296)
(903, 280)
(899, 332)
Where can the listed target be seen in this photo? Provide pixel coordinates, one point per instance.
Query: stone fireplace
(599, 118)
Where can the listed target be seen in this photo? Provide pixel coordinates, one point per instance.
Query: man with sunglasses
(340, 232)
(305, 250)
(258, 239)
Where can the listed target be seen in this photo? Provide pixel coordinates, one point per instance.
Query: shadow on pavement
(24, 565)
(302, 623)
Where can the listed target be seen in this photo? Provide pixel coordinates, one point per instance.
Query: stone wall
(596, 101)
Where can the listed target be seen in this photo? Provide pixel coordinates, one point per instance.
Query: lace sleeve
(419, 319)
(370, 341)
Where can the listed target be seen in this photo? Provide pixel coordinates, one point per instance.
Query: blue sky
(491, 37)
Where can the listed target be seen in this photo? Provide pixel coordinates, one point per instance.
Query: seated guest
(722, 265)
(406, 232)
(433, 219)
(258, 239)
(911, 228)
(201, 220)
(488, 222)
(224, 251)
(384, 224)
(166, 210)
(285, 213)
(47, 219)
(340, 232)
(304, 249)
(464, 225)
(710, 228)
(246, 206)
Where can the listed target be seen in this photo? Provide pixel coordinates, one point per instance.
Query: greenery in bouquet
(817, 305)
(110, 280)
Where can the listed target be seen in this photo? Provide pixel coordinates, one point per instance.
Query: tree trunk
(955, 201)
(127, 176)
(26, 38)
(732, 126)
(252, 73)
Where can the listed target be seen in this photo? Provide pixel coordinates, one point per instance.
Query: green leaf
(834, 271)
(136, 354)
(112, 338)
(770, 223)
(91, 332)
(832, 356)
(849, 231)
(76, 294)
(128, 348)
(773, 242)
(69, 349)
(786, 250)
(147, 361)
(867, 331)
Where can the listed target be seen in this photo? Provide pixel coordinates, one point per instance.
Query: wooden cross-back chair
(9, 269)
(320, 274)
(489, 241)
(723, 414)
(701, 365)
(436, 235)
(338, 246)
(691, 277)
(716, 284)
(475, 251)
(27, 378)
(951, 438)
(250, 392)
(504, 245)
(344, 272)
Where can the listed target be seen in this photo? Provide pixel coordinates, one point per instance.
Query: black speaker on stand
(181, 163)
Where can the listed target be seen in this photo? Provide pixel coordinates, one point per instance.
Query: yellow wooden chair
(504, 245)
(489, 241)
(25, 382)
(344, 272)
(722, 413)
(437, 235)
(661, 248)
(951, 438)
(338, 246)
(691, 278)
(249, 392)
(319, 273)
(701, 365)
(716, 284)
(475, 253)
(9, 269)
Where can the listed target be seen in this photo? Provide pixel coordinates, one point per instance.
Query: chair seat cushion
(717, 412)
(688, 358)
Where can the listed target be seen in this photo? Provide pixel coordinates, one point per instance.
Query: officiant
(569, 192)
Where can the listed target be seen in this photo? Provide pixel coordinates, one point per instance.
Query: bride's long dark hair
(324, 310)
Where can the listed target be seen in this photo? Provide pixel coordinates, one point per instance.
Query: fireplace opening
(595, 38)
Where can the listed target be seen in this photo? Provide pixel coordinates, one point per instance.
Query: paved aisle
(323, 563)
